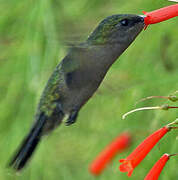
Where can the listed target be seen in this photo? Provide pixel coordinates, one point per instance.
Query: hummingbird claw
(72, 118)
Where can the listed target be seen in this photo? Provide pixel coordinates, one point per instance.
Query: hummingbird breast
(83, 71)
(81, 85)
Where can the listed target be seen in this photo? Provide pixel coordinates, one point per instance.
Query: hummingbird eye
(124, 22)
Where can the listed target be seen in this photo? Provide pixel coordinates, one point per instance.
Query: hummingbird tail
(29, 144)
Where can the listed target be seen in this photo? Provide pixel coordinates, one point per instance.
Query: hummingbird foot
(72, 118)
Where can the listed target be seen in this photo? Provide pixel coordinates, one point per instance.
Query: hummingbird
(77, 77)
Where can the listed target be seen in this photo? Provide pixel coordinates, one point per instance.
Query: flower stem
(140, 109)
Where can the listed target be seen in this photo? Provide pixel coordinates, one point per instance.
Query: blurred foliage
(34, 37)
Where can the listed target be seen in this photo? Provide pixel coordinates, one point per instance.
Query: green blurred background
(34, 37)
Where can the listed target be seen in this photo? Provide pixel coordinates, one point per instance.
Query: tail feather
(29, 144)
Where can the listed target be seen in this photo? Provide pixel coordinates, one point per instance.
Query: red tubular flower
(161, 14)
(142, 150)
(157, 168)
(117, 145)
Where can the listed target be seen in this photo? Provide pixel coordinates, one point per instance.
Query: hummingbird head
(121, 29)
